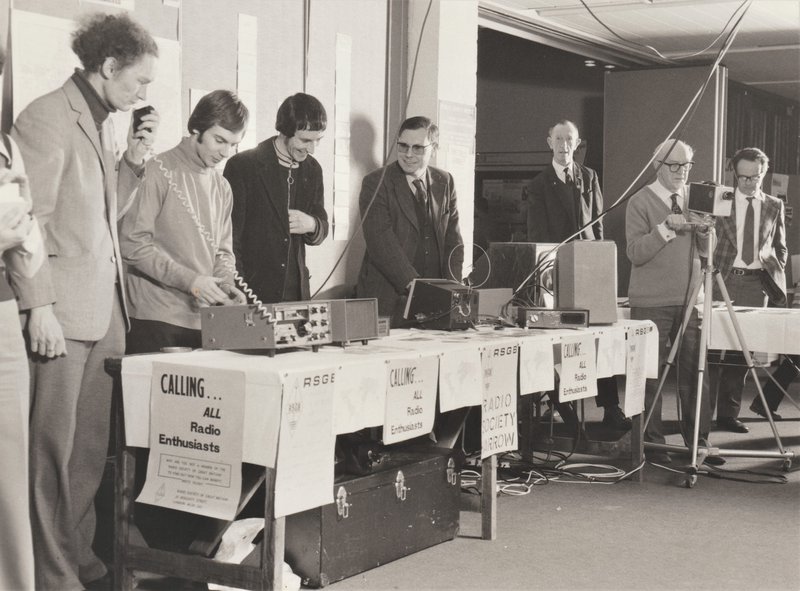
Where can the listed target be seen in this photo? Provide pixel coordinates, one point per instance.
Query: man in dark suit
(278, 203)
(751, 257)
(76, 305)
(410, 221)
(565, 197)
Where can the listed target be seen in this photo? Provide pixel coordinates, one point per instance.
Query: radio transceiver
(281, 326)
(547, 318)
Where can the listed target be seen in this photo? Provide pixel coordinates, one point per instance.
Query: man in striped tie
(751, 257)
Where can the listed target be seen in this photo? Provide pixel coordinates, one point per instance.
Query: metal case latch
(452, 475)
(342, 506)
(400, 487)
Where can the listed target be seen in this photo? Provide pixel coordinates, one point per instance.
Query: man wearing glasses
(664, 247)
(410, 221)
(751, 257)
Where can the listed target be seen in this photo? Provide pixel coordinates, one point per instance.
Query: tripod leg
(673, 352)
(748, 359)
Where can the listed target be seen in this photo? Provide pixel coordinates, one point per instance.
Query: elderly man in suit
(751, 257)
(410, 221)
(279, 203)
(565, 197)
(75, 304)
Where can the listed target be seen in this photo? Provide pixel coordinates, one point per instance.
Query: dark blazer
(551, 219)
(391, 233)
(260, 216)
(771, 251)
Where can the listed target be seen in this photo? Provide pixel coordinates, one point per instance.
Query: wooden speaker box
(586, 279)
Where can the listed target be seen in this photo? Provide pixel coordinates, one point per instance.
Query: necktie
(749, 233)
(421, 194)
(567, 176)
(675, 207)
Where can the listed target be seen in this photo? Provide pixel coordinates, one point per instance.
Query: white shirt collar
(665, 193)
(759, 195)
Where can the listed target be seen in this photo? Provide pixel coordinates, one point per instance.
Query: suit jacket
(772, 250)
(260, 216)
(74, 185)
(551, 219)
(392, 232)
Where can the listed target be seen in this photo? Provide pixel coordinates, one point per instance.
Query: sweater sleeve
(643, 237)
(138, 228)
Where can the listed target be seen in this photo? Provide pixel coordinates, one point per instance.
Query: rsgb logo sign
(318, 380)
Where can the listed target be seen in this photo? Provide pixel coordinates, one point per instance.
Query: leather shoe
(710, 460)
(658, 457)
(732, 424)
(614, 417)
(758, 409)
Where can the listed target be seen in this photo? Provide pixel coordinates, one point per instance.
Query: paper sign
(636, 374)
(536, 365)
(460, 379)
(578, 369)
(358, 396)
(499, 409)
(304, 470)
(196, 417)
(410, 397)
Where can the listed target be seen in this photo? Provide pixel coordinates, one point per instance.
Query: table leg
(489, 498)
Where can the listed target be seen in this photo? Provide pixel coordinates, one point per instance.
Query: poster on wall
(42, 60)
(196, 425)
(124, 4)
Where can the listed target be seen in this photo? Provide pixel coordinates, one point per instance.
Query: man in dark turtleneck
(75, 305)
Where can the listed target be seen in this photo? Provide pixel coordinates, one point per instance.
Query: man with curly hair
(75, 305)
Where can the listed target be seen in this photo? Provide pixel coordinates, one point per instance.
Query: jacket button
(114, 259)
(283, 265)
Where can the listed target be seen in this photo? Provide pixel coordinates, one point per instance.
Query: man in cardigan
(76, 302)
(751, 257)
(565, 197)
(410, 222)
(278, 203)
(664, 251)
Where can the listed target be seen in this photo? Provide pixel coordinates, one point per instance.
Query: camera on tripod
(709, 198)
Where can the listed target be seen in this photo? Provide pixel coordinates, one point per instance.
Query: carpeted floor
(720, 535)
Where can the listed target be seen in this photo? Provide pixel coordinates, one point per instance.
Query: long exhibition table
(397, 382)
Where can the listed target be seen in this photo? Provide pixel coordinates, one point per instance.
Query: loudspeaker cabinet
(410, 504)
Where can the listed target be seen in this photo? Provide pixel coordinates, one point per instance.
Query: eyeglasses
(676, 166)
(750, 179)
(418, 150)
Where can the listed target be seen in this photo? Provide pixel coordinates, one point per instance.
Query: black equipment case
(411, 502)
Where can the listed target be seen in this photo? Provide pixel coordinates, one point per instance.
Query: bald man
(664, 252)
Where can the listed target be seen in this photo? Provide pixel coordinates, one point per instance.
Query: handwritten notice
(410, 397)
(578, 369)
(536, 365)
(499, 409)
(460, 378)
(358, 400)
(636, 372)
(196, 418)
(304, 470)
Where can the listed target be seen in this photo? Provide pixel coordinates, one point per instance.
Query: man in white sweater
(664, 251)
(176, 237)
